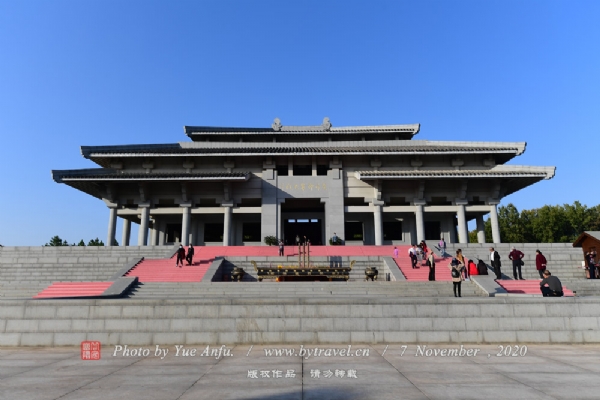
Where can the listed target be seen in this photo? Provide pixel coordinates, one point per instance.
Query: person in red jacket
(517, 259)
(540, 263)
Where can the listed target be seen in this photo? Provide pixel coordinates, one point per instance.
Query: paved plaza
(372, 372)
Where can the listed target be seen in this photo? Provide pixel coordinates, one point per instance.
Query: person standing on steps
(412, 253)
(442, 246)
(495, 262)
(395, 252)
(540, 263)
(457, 277)
(180, 256)
(431, 264)
(463, 264)
(517, 260)
(190, 255)
(280, 248)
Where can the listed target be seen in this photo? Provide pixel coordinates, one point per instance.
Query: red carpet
(530, 286)
(73, 289)
(164, 270)
(442, 272)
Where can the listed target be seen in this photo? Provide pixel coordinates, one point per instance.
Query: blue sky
(76, 73)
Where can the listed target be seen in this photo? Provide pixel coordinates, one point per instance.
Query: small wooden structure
(588, 240)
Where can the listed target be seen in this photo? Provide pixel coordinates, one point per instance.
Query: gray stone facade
(370, 185)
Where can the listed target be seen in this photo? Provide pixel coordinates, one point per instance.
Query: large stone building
(368, 184)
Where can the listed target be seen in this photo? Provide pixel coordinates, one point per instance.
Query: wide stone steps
(304, 289)
(307, 320)
(563, 260)
(583, 287)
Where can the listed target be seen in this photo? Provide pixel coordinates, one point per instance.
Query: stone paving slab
(382, 372)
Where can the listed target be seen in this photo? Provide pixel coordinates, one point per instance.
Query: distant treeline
(57, 241)
(548, 224)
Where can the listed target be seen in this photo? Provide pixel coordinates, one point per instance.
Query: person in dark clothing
(495, 262)
(281, 248)
(180, 256)
(554, 288)
(431, 263)
(591, 265)
(412, 253)
(190, 255)
(457, 278)
(540, 263)
(517, 259)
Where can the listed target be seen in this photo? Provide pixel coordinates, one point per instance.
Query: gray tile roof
(412, 129)
(309, 148)
(500, 171)
(112, 175)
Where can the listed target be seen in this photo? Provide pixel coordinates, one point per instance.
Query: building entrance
(173, 233)
(311, 228)
(303, 217)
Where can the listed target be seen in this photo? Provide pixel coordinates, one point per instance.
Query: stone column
(185, 223)
(227, 225)
(153, 234)
(194, 235)
(200, 233)
(377, 225)
(463, 233)
(126, 232)
(494, 222)
(161, 231)
(480, 229)
(143, 231)
(420, 221)
(279, 226)
(112, 225)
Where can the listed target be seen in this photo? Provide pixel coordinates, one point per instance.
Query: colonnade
(187, 226)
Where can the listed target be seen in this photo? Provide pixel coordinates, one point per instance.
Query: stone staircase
(308, 320)
(563, 259)
(270, 290)
(25, 271)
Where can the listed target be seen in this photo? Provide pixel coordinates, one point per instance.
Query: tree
(473, 236)
(511, 228)
(57, 241)
(95, 242)
(547, 224)
(115, 243)
(81, 243)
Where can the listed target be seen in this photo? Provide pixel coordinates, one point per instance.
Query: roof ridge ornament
(326, 124)
(276, 125)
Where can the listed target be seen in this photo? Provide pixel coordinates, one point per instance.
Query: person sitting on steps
(554, 288)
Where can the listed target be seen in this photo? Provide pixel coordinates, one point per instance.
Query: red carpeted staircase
(442, 272)
(528, 286)
(73, 289)
(164, 270)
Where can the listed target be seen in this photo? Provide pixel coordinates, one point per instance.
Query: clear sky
(76, 73)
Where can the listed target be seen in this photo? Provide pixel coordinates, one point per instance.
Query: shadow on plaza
(330, 393)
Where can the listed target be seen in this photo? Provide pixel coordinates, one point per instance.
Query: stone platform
(252, 313)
